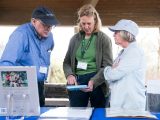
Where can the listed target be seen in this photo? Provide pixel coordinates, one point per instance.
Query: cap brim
(112, 28)
(50, 21)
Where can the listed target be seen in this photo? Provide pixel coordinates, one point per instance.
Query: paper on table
(153, 86)
(76, 87)
(68, 113)
(129, 113)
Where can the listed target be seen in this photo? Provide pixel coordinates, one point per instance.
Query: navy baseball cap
(45, 15)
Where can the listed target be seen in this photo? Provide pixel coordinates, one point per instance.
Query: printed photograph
(14, 78)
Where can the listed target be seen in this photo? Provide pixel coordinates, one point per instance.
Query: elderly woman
(89, 51)
(127, 74)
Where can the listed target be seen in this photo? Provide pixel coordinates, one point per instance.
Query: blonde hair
(89, 10)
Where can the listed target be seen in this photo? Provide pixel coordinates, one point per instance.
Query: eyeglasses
(45, 25)
(117, 31)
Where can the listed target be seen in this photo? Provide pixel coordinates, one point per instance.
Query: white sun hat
(127, 25)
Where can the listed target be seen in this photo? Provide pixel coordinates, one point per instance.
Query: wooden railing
(56, 95)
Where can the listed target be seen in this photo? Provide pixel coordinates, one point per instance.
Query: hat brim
(50, 21)
(113, 28)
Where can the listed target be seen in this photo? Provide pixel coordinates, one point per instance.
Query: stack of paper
(67, 113)
(129, 113)
(153, 86)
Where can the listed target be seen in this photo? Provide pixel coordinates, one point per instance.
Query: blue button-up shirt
(127, 80)
(25, 48)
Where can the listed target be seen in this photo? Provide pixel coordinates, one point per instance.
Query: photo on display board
(14, 78)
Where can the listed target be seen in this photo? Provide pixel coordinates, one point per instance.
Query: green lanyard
(84, 47)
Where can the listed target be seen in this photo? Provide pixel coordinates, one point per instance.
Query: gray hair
(127, 36)
(89, 10)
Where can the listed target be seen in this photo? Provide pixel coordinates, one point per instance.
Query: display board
(18, 91)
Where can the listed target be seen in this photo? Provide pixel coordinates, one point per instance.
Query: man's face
(41, 28)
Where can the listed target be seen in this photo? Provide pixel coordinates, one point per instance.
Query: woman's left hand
(90, 87)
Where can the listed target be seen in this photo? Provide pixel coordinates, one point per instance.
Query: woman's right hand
(71, 80)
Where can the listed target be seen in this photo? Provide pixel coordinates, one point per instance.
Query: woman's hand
(90, 87)
(71, 80)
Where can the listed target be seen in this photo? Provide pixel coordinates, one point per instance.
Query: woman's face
(88, 24)
(118, 39)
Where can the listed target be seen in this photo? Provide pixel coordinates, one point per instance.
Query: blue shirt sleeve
(13, 50)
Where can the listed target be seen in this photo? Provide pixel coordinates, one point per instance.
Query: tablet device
(76, 87)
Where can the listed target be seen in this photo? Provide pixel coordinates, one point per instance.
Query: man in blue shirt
(31, 44)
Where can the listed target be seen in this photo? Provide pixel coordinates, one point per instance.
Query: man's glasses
(45, 25)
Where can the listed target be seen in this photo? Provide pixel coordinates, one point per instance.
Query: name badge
(43, 69)
(82, 65)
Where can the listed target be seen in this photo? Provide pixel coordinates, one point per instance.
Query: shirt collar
(36, 33)
(132, 44)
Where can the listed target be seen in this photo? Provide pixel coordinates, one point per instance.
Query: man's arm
(13, 50)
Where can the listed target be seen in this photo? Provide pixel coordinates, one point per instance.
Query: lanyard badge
(84, 47)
